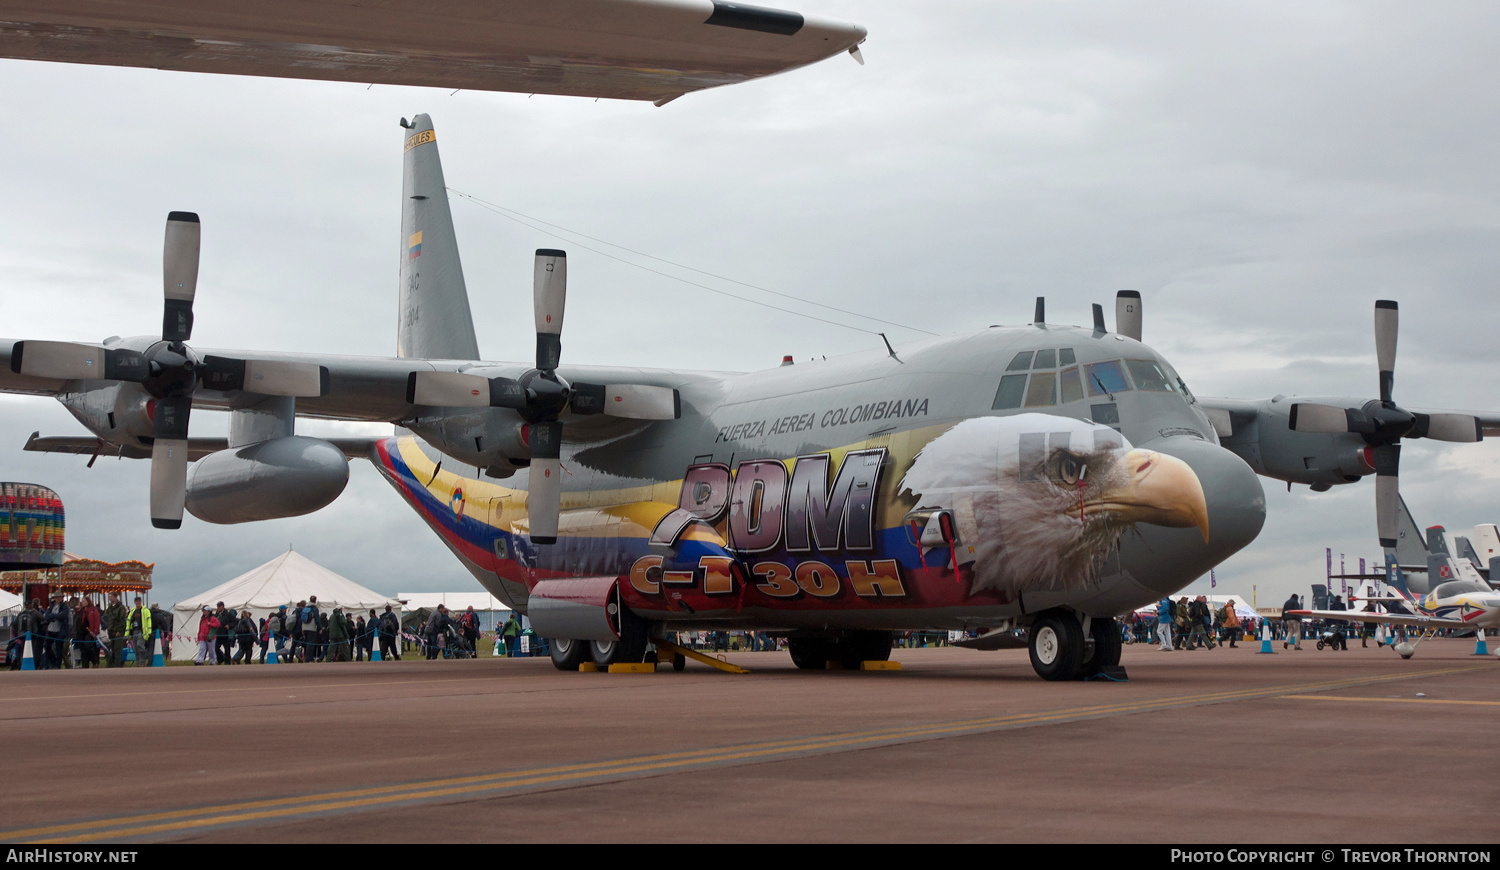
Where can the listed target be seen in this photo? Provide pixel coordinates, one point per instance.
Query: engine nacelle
(1270, 447)
(283, 477)
(576, 608)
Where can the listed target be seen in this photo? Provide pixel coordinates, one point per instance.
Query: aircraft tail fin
(1396, 579)
(1440, 566)
(435, 321)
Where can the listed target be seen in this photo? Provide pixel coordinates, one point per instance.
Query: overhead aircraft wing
(1383, 618)
(353, 448)
(623, 49)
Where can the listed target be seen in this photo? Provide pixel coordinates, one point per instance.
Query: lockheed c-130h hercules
(1047, 477)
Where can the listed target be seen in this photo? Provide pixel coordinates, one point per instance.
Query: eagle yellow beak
(1161, 490)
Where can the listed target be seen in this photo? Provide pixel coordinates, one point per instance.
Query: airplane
(1044, 476)
(654, 50)
(1467, 604)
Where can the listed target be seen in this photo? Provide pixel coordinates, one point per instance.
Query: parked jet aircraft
(626, 49)
(1042, 476)
(1465, 604)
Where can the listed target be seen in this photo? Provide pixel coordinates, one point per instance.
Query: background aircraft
(653, 50)
(1044, 475)
(1463, 604)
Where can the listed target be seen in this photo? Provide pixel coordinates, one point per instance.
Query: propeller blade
(1387, 492)
(1309, 417)
(549, 299)
(265, 377)
(180, 275)
(632, 401)
(463, 390)
(1386, 322)
(1128, 313)
(169, 460)
(1458, 428)
(544, 492)
(65, 360)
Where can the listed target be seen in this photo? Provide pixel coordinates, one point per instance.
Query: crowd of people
(74, 629)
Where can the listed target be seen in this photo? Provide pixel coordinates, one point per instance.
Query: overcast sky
(1261, 172)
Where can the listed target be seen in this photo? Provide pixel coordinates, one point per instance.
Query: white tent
(286, 579)
(491, 610)
(1242, 607)
(10, 607)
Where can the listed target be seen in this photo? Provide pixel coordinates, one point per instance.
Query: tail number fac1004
(771, 511)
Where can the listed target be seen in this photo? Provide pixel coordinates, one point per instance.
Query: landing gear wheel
(629, 649)
(861, 646)
(809, 653)
(1057, 647)
(568, 654)
(1107, 646)
(679, 662)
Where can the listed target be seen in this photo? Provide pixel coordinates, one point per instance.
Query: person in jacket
(390, 628)
(279, 625)
(1292, 624)
(208, 623)
(162, 619)
(309, 623)
(1164, 624)
(245, 633)
(338, 636)
(468, 625)
(57, 621)
(224, 634)
(1198, 622)
(114, 623)
(436, 630)
(512, 634)
(1232, 625)
(86, 639)
(29, 623)
(138, 628)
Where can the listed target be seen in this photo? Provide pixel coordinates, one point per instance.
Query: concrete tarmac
(1210, 746)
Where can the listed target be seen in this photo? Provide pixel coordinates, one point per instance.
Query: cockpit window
(1065, 357)
(1072, 386)
(1105, 378)
(1149, 376)
(1177, 379)
(1458, 587)
(1042, 390)
(1045, 359)
(1021, 363)
(1012, 388)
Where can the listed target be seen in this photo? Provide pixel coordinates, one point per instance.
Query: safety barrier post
(28, 662)
(1265, 640)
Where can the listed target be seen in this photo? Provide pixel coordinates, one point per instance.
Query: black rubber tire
(679, 662)
(1107, 645)
(629, 649)
(809, 653)
(861, 646)
(1056, 647)
(568, 654)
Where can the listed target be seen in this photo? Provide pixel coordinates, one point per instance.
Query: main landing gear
(1060, 650)
(630, 647)
(848, 650)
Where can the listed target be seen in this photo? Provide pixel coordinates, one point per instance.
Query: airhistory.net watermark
(1330, 856)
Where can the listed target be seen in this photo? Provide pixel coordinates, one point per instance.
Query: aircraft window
(1045, 359)
(1021, 363)
(1012, 387)
(1065, 357)
(1177, 379)
(1072, 385)
(1459, 587)
(1149, 376)
(1106, 378)
(1042, 391)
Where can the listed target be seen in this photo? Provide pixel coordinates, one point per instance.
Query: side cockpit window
(1149, 376)
(1105, 378)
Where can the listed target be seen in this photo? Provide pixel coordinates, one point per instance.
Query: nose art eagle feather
(1049, 496)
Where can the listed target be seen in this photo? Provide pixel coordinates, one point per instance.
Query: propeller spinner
(169, 370)
(541, 396)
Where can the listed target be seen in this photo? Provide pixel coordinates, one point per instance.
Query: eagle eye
(1066, 467)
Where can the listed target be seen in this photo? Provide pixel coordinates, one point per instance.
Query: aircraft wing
(1384, 618)
(624, 49)
(83, 445)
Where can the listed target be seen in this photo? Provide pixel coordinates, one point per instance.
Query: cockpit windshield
(1455, 588)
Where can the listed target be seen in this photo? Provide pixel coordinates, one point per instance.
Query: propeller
(169, 370)
(1383, 424)
(541, 396)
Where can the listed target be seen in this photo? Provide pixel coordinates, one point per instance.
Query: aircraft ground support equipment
(666, 651)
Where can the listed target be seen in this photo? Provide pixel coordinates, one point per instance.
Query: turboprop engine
(282, 477)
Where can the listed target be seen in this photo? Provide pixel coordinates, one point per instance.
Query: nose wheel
(1057, 647)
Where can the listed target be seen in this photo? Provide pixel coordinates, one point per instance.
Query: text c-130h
(1043, 477)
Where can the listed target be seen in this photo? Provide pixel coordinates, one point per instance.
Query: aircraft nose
(1236, 511)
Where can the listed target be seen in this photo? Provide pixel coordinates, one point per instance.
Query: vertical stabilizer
(435, 319)
(1411, 546)
(1440, 567)
(1396, 579)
